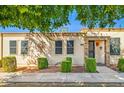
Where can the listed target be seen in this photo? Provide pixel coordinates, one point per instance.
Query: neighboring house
(106, 45)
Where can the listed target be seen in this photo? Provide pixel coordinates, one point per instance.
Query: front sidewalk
(80, 78)
(63, 77)
(112, 78)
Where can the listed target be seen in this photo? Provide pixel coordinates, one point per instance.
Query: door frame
(107, 45)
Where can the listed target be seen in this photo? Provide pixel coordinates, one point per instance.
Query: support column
(85, 47)
(1, 45)
(108, 51)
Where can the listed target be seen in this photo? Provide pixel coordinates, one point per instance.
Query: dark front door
(91, 48)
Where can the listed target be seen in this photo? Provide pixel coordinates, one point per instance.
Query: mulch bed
(51, 69)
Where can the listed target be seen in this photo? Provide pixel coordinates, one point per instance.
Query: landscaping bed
(9, 64)
(119, 67)
(113, 67)
(50, 69)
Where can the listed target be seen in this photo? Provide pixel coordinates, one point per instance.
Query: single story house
(106, 45)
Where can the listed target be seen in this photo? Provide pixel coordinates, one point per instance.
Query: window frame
(119, 46)
(14, 47)
(56, 47)
(25, 47)
(70, 47)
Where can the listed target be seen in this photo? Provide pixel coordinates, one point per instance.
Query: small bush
(121, 64)
(66, 66)
(0, 63)
(69, 59)
(9, 64)
(90, 64)
(42, 63)
(122, 68)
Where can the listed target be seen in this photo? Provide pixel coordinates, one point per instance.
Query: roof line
(102, 29)
(38, 32)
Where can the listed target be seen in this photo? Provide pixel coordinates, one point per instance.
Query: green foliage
(41, 18)
(121, 64)
(90, 64)
(9, 64)
(99, 15)
(42, 63)
(47, 18)
(69, 59)
(66, 66)
(0, 63)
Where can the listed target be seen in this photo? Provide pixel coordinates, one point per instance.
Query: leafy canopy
(47, 18)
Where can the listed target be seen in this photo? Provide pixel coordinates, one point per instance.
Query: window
(58, 47)
(24, 47)
(115, 46)
(70, 47)
(12, 45)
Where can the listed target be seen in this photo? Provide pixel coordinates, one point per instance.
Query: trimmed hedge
(9, 64)
(121, 64)
(69, 59)
(90, 64)
(42, 63)
(0, 63)
(66, 66)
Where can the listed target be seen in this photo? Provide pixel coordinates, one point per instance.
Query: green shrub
(66, 66)
(90, 64)
(0, 63)
(121, 64)
(69, 59)
(122, 68)
(9, 64)
(42, 63)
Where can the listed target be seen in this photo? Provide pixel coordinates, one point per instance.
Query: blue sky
(74, 25)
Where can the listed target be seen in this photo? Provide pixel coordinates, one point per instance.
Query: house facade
(106, 45)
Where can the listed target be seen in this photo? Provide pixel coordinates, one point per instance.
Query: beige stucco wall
(112, 34)
(6, 38)
(49, 50)
(78, 56)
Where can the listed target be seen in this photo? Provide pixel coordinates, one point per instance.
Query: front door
(91, 49)
(100, 52)
(96, 49)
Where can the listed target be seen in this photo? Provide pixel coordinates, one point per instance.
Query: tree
(41, 18)
(99, 16)
(47, 18)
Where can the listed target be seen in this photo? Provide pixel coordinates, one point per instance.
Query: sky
(74, 25)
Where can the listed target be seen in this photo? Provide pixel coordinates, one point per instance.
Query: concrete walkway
(62, 77)
(104, 69)
(106, 75)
